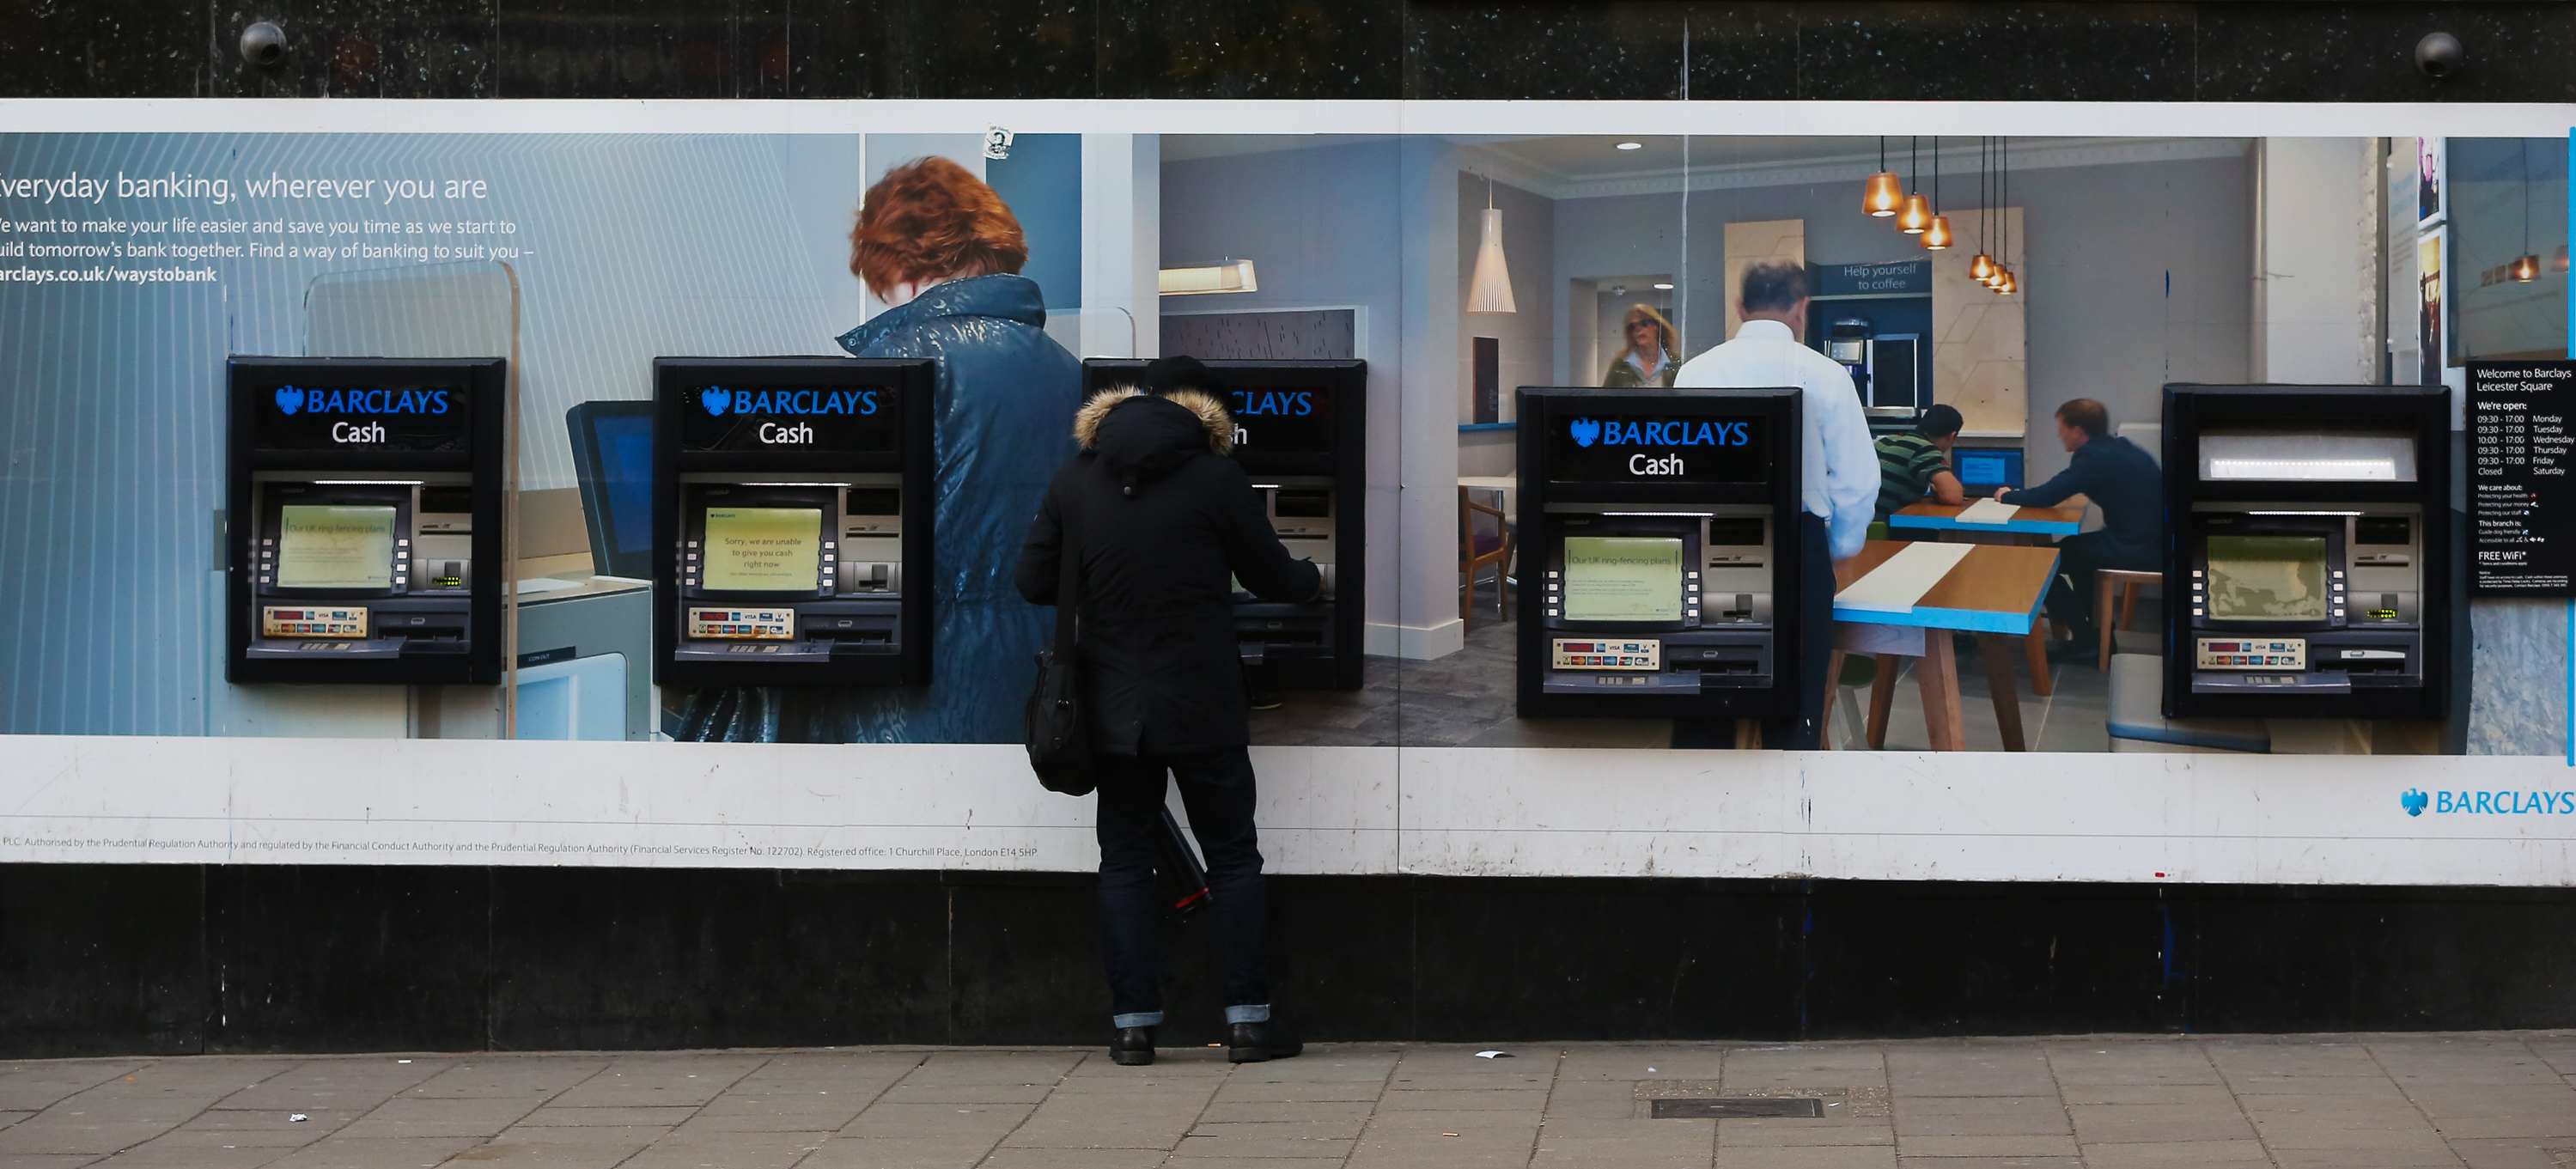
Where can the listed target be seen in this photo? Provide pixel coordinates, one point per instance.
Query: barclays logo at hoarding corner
(2489, 803)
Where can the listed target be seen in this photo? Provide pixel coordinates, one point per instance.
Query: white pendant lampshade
(1491, 290)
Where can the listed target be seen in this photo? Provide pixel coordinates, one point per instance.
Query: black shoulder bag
(1059, 729)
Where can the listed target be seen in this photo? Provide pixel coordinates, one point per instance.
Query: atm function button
(1692, 576)
(2196, 613)
(2338, 574)
(402, 543)
(827, 546)
(1551, 612)
(1551, 574)
(2195, 572)
(263, 580)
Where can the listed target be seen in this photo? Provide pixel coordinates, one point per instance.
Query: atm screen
(763, 549)
(1623, 578)
(335, 547)
(2267, 578)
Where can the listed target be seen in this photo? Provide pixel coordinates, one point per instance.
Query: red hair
(931, 218)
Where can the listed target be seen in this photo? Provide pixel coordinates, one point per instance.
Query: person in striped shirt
(1914, 466)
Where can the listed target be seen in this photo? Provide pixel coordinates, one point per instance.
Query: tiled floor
(2479, 1101)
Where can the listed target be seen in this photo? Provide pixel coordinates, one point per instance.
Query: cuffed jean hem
(1155, 1018)
(1256, 1013)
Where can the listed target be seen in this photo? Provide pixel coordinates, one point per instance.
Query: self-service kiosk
(792, 512)
(1300, 432)
(364, 524)
(2307, 551)
(1660, 545)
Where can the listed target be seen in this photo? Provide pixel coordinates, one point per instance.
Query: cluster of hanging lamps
(1919, 215)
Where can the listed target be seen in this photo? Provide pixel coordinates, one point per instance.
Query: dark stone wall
(1430, 49)
(108, 959)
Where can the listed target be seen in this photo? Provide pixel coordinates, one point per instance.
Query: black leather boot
(1261, 1042)
(1133, 1048)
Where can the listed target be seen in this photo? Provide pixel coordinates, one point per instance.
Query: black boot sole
(1247, 1055)
(1131, 1059)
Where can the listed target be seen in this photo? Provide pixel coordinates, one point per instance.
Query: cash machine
(1300, 432)
(791, 521)
(1660, 545)
(364, 520)
(2307, 551)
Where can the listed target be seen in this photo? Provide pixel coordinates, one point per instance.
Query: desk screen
(334, 547)
(763, 549)
(1623, 578)
(2267, 578)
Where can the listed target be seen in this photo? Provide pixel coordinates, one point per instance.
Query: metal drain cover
(1728, 1107)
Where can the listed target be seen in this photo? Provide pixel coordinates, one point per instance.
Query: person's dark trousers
(1217, 789)
(2070, 595)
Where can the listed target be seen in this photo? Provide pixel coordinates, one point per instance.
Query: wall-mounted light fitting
(1231, 276)
(1632, 146)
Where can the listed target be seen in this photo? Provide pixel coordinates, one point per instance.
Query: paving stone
(1252, 1145)
(1594, 1100)
(908, 1121)
(1979, 1115)
(410, 1118)
(950, 1151)
(656, 1083)
(1320, 1091)
(1399, 1099)
(277, 1129)
(2152, 1061)
(2375, 1155)
(399, 1153)
(1342, 1128)
(1574, 1143)
(1639, 1062)
(170, 1152)
(2130, 1123)
(1756, 1069)
(1792, 1133)
(2214, 1096)
(967, 1094)
(1009, 1158)
(1988, 1145)
(565, 1116)
(2493, 1110)
(1917, 1073)
(1814, 1157)
(993, 1067)
(35, 1085)
(1465, 1140)
(1905, 1162)
(513, 1078)
(737, 1150)
(2174, 1154)
(1223, 1111)
(2512, 1152)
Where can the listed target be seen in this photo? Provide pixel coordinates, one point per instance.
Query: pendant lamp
(1936, 234)
(1881, 197)
(1491, 289)
(2559, 264)
(2526, 267)
(1981, 265)
(1916, 213)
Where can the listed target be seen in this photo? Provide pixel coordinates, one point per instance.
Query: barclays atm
(364, 520)
(2308, 551)
(1300, 432)
(792, 513)
(1659, 549)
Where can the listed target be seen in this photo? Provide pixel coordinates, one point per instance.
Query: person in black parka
(1164, 519)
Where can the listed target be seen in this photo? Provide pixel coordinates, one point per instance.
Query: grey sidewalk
(2484, 1101)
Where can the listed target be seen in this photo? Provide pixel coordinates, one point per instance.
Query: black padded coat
(1166, 518)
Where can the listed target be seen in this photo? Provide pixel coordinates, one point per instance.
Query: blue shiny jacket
(1002, 421)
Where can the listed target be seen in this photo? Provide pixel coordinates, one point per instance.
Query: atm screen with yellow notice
(1623, 578)
(763, 549)
(335, 547)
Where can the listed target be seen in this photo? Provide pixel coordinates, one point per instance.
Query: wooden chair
(2127, 582)
(1476, 550)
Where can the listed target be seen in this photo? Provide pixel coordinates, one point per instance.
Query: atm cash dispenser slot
(366, 513)
(1660, 533)
(1300, 434)
(791, 506)
(2309, 568)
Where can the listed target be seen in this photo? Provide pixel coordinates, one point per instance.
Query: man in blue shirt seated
(2124, 482)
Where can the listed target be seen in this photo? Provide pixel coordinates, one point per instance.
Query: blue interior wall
(1042, 182)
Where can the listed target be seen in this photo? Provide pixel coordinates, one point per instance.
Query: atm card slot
(812, 651)
(1585, 682)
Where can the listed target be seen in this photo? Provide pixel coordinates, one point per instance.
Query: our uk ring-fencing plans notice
(2520, 497)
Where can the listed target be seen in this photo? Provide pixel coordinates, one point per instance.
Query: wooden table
(1995, 593)
(2031, 526)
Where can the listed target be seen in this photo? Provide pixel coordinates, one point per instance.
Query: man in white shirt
(1838, 465)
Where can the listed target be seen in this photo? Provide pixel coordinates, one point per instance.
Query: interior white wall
(2103, 241)
(1122, 245)
(2316, 237)
(1322, 228)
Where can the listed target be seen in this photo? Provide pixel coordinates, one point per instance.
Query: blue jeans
(1216, 787)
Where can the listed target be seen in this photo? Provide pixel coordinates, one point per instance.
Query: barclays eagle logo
(1584, 431)
(716, 399)
(2413, 801)
(289, 399)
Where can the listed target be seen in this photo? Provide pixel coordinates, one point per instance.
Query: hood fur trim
(1212, 416)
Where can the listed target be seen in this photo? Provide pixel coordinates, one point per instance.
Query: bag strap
(1068, 580)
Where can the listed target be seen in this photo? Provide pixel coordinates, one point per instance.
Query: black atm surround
(1297, 646)
(908, 455)
(461, 454)
(1777, 491)
(2421, 411)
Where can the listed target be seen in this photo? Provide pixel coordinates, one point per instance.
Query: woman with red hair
(941, 249)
